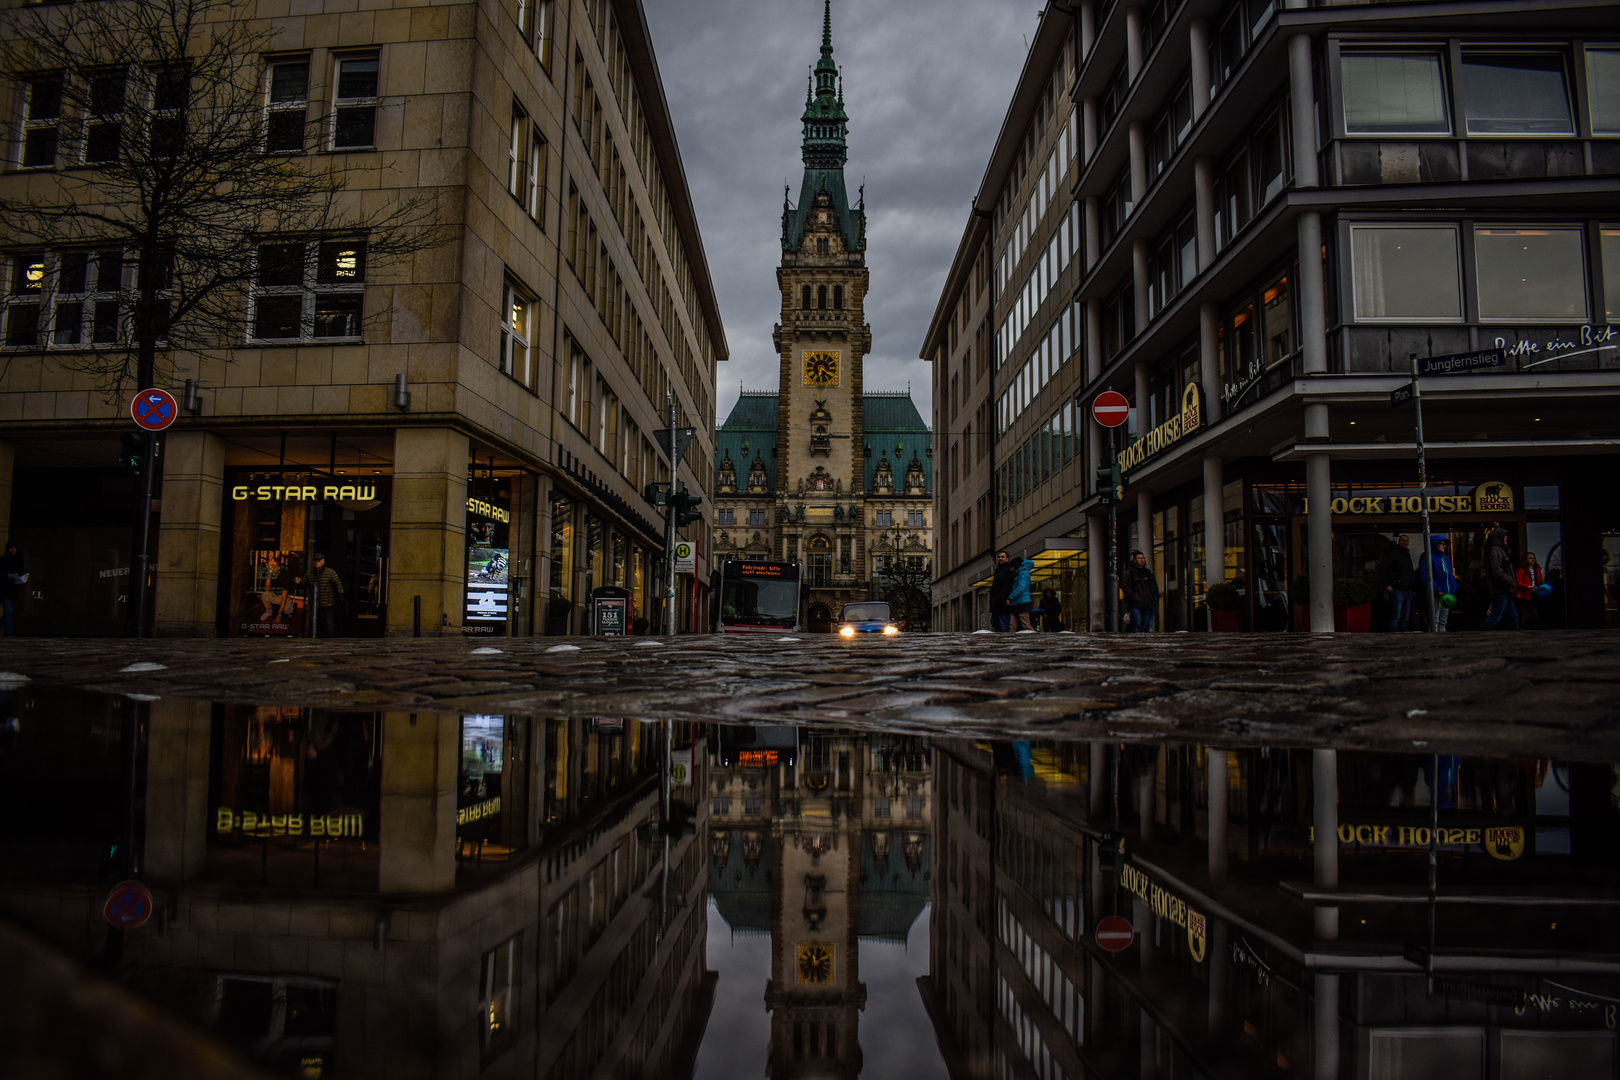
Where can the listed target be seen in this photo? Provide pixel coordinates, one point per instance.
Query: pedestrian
(327, 589)
(1019, 602)
(1398, 575)
(1001, 587)
(1501, 581)
(1141, 593)
(13, 575)
(1528, 579)
(1051, 611)
(1442, 582)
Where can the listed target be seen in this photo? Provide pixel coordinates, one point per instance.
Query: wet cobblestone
(1479, 693)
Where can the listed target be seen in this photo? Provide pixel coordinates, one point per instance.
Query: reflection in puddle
(348, 894)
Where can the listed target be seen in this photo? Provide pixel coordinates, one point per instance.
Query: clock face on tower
(815, 963)
(821, 369)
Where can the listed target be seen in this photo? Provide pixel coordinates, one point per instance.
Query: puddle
(387, 894)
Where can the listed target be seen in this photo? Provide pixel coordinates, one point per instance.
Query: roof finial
(826, 29)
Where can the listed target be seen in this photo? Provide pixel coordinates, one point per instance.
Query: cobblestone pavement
(1551, 693)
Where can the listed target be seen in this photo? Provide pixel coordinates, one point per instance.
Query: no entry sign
(1115, 933)
(154, 409)
(1110, 409)
(128, 906)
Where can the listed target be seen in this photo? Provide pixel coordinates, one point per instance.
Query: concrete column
(8, 465)
(1312, 308)
(1220, 975)
(1144, 534)
(1094, 356)
(1097, 570)
(1139, 273)
(1204, 209)
(1302, 116)
(417, 831)
(187, 593)
(1214, 520)
(1198, 36)
(1143, 416)
(1133, 42)
(1093, 219)
(1088, 31)
(177, 822)
(428, 527)
(1209, 361)
(1098, 773)
(1326, 1025)
(1325, 820)
(1137, 134)
(1145, 783)
(1215, 824)
(1319, 521)
(1088, 127)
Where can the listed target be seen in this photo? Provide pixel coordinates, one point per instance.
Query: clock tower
(821, 342)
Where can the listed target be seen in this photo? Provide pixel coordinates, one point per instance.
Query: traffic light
(1108, 483)
(132, 449)
(685, 507)
(656, 494)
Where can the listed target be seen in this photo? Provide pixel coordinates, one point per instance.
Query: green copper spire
(825, 147)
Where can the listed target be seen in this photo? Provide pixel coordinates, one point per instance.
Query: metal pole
(669, 526)
(1112, 608)
(1434, 863)
(1423, 498)
(142, 556)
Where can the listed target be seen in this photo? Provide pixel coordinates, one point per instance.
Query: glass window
(1522, 93)
(1398, 94)
(41, 116)
(285, 107)
(103, 128)
(1537, 273)
(516, 313)
(1603, 90)
(1406, 273)
(354, 122)
(1276, 314)
(285, 287)
(1611, 273)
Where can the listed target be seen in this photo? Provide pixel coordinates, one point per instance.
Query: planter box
(1225, 622)
(556, 625)
(1352, 618)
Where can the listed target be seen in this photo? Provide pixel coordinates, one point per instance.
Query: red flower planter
(1223, 621)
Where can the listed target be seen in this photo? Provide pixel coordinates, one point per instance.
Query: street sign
(683, 438)
(154, 409)
(128, 906)
(680, 768)
(685, 557)
(1465, 363)
(1115, 933)
(1110, 409)
(1401, 395)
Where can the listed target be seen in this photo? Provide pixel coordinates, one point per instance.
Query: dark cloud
(926, 84)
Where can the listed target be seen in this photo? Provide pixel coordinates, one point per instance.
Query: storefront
(278, 522)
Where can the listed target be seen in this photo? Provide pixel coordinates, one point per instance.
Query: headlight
(891, 630)
(848, 631)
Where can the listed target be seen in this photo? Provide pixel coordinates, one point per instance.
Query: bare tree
(907, 583)
(152, 129)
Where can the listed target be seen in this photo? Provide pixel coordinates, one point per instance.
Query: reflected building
(399, 895)
(1281, 910)
(820, 839)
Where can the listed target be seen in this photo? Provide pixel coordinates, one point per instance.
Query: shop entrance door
(355, 544)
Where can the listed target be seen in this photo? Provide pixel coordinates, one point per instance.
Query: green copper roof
(825, 149)
(751, 424)
(894, 429)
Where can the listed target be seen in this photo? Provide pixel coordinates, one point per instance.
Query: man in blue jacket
(1442, 580)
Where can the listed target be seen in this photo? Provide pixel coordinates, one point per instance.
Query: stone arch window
(821, 298)
(728, 474)
(838, 298)
(756, 475)
(821, 245)
(806, 297)
(883, 478)
(820, 549)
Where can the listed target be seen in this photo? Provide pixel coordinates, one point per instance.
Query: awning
(1056, 555)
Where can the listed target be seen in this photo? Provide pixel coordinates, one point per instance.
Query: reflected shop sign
(1505, 842)
(257, 823)
(1166, 905)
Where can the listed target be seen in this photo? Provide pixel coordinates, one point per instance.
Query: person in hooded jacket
(1441, 581)
(1500, 578)
(1019, 602)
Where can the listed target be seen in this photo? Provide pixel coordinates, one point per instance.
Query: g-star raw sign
(305, 493)
(1166, 434)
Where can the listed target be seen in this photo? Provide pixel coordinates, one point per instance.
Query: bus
(755, 598)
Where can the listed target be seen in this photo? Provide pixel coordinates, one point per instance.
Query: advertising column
(489, 527)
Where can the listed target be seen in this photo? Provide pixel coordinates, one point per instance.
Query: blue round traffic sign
(128, 906)
(154, 409)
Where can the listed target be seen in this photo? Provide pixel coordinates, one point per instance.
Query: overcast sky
(926, 84)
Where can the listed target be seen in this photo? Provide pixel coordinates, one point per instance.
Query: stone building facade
(823, 472)
(538, 350)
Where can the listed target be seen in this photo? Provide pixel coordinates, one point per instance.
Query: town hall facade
(822, 472)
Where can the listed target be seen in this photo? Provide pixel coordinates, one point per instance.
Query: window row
(755, 517)
(1033, 463)
(526, 165)
(596, 412)
(817, 298)
(1026, 218)
(1456, 272)
(99, 116)
(68, 298)
(1050, 352)
(1478, 90)
(1063, 245)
